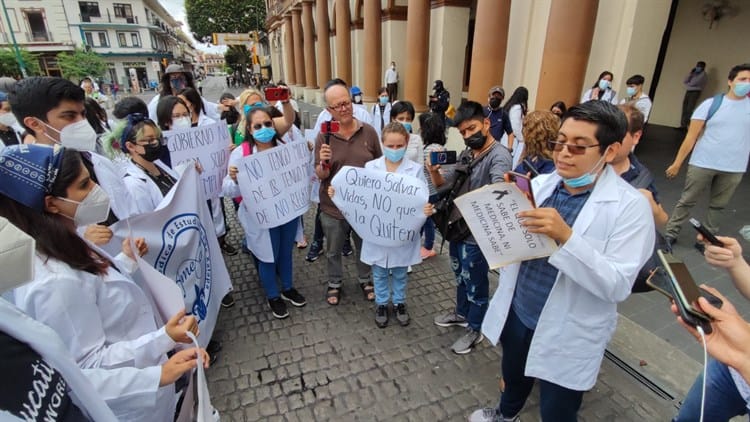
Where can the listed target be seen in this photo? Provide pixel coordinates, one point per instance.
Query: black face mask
(476, 141)
(494, 103)
(151, 152)
(231, 116)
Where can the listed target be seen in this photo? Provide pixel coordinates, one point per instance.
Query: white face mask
(8, 119)
(79, 136)
(92, 210)
(182, 123)
(16, 256)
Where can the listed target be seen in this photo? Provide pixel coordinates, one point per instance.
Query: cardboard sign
(275, 184)
(490, 213)
(209, 145)
(383, 208)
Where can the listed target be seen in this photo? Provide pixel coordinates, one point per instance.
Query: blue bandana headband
(28, 172)
(133, 119)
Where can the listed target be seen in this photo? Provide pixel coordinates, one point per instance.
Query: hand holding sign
(383, 208)
(546, 221)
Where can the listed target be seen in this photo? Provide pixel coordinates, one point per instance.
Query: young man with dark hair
(129, 105)
(500, 127)
(719, 139)
(554, 316)
(634, 95)
(490, 162)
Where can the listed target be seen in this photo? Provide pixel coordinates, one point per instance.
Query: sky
(177, 9)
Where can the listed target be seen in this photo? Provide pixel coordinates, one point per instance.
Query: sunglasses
(572, 148)
(258, 126)
(341, 106)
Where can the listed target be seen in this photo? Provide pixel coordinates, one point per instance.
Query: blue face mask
(407, 126)
(630, 91)
(585, 179)
(383, 100)
(394, 155)
(741, 89)
(264, 135)
(603, 84)
(177, 84)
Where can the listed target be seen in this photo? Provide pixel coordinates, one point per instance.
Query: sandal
(333, 293)
(368, 290)
(302, 244)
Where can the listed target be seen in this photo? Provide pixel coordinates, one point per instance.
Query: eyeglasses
(572, 148)
(258, 126)
(341, 105)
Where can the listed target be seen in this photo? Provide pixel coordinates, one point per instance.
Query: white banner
(208, 145)
(490, 213)
(182, 246)
(275, 184)
(383, 208)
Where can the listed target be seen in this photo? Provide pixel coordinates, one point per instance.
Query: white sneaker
(489, 414)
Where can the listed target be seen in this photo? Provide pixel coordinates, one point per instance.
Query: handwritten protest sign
(208, 145)
(490, 213)
(275, 184)
(383, 208)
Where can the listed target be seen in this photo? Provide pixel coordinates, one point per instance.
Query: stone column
(299, 55)
(490, 45)
(570, 31)
(291, 75)
(417, 44)
(311, 74)
(373, 50)
(343, 41)
(323, 31)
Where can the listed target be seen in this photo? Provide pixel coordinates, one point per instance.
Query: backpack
(715, 104)
(448, 219)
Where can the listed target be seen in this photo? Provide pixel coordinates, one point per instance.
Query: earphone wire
(705, 365)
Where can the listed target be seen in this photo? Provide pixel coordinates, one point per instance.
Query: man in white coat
(554, 316)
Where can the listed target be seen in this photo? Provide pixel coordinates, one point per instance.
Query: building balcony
(110, 18)
(38, 36)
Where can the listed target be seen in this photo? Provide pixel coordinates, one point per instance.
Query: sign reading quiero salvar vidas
(208, 145)
(275, 184)
(490, 213)
(383, 208)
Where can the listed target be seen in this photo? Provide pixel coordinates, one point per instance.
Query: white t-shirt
(725, 142)
(643, 104)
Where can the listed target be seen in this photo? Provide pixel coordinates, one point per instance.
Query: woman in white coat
(517, 107)
(602, 89)
(554, 316)
(381, 112)
(272, 248)
(102, 316)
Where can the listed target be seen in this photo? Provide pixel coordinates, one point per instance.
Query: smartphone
(530, 167)
(331, 126)
(710, 238)
(659, 281)
(686, 293)
(276, 94)
(443, 157)
(524, 183)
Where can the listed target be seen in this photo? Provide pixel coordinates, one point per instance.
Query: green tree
(207, 17)
(9, 64)
(81, 63)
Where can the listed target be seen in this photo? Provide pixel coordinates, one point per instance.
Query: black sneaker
(227, 301)
(228, 249)
(293, 296)
(381, 316)
(347, 249)
(668, 242)
(278, 308)
(214, 347)
(401, 315)
(315, 251)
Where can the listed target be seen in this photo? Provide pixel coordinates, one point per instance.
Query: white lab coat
(211, 109)
(613, 237)
(258, 239)
(376, 117)
(408, 253)
(415, 149)
(145, 195)
(51, 348)
(110, 175)
(108, 323)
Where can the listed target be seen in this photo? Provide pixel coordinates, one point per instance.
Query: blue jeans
(472, 284)
(723, 401)
(429, 233)
(557, 403)
(282, 242)
(383, 289)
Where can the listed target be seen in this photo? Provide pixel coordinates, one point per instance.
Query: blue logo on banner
(191, 266)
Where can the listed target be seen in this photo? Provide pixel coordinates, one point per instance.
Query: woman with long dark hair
(103, 317)
(601, 89)
(432, 131)
(272, 248)
(517, 107)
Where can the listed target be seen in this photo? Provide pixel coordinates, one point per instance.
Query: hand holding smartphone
(443, 157)
(524, 183)
(276, 94)
(707, 235)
